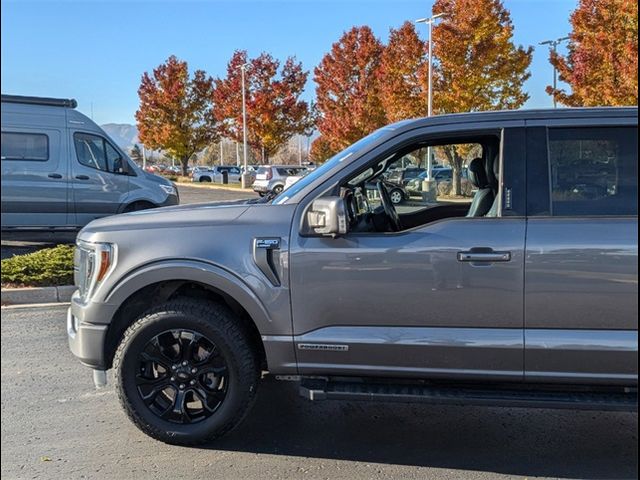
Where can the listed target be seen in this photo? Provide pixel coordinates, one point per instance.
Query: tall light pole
(553, 47)
(428, 186)
(245, 175)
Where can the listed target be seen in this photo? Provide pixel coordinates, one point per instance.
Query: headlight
(92, 263)
(169, 189)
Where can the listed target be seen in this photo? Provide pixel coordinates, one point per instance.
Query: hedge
(46, 267)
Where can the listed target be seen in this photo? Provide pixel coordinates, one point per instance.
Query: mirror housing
(327, 217)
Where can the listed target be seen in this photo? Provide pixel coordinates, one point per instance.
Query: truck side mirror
(327, 217)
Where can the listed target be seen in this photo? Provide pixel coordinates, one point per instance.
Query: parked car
(294, 178)
(522, 297)
(397, 193)
(60, 170)
(215, 174)
(440, 174)
(402, 176)
(272, 178)
(251, 172)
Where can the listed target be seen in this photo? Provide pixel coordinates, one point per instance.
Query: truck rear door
(581, 272)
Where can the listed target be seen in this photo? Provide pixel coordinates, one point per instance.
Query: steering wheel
(389, 209)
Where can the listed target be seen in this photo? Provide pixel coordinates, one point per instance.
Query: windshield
(334, 161)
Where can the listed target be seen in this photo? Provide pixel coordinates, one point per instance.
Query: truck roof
(520, 114)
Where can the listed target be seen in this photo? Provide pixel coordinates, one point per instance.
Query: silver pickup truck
(525, 294)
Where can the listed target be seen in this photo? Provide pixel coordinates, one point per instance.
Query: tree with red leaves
(348, 96)
(402, 75)
(175, 112)
(602, 64)
(275, 112)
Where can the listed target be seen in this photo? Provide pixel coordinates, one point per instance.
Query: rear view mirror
(328, 217)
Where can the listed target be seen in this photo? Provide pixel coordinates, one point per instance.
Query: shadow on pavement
(27, 242)
(525, 442)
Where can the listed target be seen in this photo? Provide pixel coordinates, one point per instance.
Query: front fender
(276, 337)
(194, 271)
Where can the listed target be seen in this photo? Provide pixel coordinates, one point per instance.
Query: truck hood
(214, 213)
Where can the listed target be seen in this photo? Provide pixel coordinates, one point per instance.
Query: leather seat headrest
(477, 173)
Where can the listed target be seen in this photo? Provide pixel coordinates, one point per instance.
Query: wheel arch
(130, 206)
(160, 282)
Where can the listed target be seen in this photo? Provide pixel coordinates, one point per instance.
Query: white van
(60, 170)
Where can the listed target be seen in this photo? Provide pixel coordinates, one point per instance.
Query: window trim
(105, 142)
(39, 134)
(462, 135)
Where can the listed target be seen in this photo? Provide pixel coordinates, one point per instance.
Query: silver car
(60, 170)
(216, 174)
(525, 295)
(272, 178)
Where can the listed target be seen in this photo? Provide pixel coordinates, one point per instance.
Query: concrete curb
(17, 296)
(214, 186)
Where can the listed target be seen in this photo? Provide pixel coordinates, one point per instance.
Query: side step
(327, 389)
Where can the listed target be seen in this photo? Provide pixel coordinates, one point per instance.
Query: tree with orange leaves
(602, 64)
(175, 112)
(478, 67)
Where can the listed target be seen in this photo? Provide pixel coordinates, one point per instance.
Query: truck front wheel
(186, 372)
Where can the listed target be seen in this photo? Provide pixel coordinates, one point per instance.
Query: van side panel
(35, 193)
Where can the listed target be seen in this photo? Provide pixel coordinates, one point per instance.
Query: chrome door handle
(54, 175)
(82, 177)
(484, 255)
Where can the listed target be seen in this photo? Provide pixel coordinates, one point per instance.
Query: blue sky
(95, 51)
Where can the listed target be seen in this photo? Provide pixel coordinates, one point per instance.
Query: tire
(239, 373)
(205, 179)
(396, 196)
(262, 194)
(137, 206)
(278, 189)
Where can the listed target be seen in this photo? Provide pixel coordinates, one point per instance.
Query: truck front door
(439, 300)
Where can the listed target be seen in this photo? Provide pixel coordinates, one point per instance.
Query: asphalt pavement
(55, 425)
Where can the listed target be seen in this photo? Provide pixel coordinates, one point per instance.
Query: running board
(321, 389)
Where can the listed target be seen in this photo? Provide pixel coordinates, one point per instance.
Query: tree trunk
(185, 165)
(457, 170)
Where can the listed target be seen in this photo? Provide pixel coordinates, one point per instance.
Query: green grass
(46, 267)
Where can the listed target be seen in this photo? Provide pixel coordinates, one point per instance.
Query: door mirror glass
(327, 217)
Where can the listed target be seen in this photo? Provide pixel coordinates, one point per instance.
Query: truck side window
(95, 152)
(32, 147)
(594, 171)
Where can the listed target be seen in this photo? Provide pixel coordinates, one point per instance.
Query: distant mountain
(125, 135)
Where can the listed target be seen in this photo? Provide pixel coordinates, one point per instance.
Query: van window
(594, 171)
(95, 152)
(25, 146)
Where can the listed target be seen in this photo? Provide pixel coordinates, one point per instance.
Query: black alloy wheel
(182, 377)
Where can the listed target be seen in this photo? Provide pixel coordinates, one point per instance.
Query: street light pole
(553, 46)
(428, 185)
(245, 174)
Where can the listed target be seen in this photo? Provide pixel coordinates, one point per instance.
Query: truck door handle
(54, 175)
(483, 255)
(82, 177)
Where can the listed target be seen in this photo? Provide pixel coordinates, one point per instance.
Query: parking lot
(55, 425)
